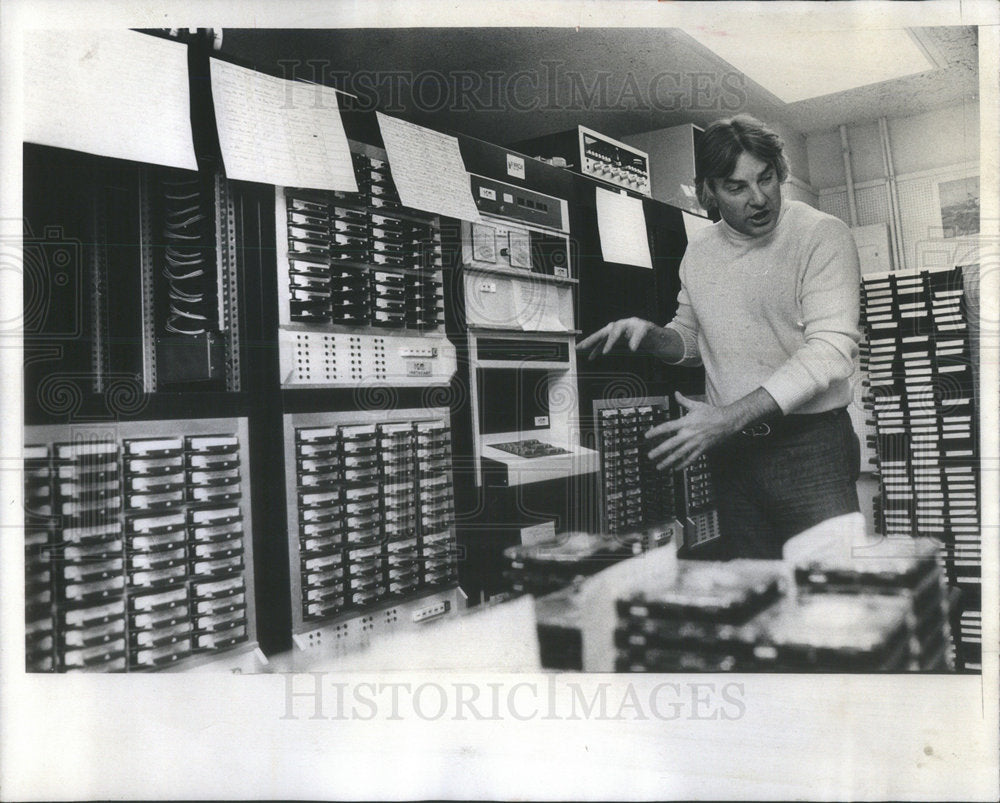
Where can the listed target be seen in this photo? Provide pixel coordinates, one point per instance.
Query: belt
(796, 422)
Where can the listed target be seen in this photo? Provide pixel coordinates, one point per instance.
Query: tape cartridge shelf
(372, 535)
(360, 285)
(139, 542)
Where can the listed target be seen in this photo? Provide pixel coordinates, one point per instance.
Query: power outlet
(432, 611)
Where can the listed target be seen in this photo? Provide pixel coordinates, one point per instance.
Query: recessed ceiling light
(797, 63)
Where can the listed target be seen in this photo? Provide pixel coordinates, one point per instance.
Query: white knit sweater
(778, 311)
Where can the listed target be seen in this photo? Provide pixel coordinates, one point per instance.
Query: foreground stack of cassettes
(149, 547)
(912, 574)
(374, 512)
(693, 623)
(548, 566)
(921, 399)
(733, 617)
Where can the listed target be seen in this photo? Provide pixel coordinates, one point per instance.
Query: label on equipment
(487, 193)
(515, 166)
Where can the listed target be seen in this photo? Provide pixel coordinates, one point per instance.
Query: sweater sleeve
(685, 323)
(829, 299)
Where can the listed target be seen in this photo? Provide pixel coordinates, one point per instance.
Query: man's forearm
(664, 343)
(756, 406)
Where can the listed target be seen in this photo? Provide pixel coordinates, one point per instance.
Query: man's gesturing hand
(631, 330)
(687, 438)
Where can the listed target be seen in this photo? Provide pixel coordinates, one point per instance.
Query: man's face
(750, 198)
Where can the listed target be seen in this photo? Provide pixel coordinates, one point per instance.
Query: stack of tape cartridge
(548, 566)
(375, 512)
(140, 523)
(90, 558)
(39, 536)
(375, 184)
(156, 549)
(967, 625)
(321, 514)
(436, 503)
(397, 459)
(216, 545)
(360, 259)
(911, 572)
(831, 633)
(364, 516)
(921, 399)
(697, 621)
(620, 440)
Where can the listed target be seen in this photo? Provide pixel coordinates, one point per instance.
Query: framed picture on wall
(959, 200)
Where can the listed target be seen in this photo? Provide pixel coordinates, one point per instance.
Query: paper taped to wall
(116, 93)
(428, 169)
(275, 131)
(621, 225)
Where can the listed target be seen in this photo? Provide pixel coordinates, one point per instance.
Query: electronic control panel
(360, 290)
(614, 162)
(595, 155)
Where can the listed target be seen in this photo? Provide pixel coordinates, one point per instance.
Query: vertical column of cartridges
(397, 459)
(632, 438)
(320, 488)
(363, 517)
(608, 443)
(424, 290)
(156, 552)
(89, 557)
(216, 541)
(658, 503)
(350, 284)
(436, 500)
(956, 479)
(39, 537)
(869, 433)
(889, 405)
(310, 293)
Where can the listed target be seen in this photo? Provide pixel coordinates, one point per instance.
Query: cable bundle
(185, 257)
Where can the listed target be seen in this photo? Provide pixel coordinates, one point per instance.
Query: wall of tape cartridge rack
(360, 289)
(138, 547)
(921, 401)
(371, 528)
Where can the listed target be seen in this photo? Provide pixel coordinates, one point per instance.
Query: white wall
(927, 149)
(928, 141)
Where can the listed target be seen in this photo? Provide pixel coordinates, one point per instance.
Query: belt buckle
(757, 431)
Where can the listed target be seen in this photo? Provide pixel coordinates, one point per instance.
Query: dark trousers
(779, 479)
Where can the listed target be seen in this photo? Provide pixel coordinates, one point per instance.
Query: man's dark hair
(721, 145)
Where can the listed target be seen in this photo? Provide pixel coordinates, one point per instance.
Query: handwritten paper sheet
(622, 229)
(428, 169)
(116, 93)
(281, 132)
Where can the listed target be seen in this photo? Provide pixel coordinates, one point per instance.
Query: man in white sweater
(769, 305)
